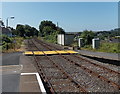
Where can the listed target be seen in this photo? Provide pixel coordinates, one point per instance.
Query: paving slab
(10, 77)
(28, 64)
(28, 83)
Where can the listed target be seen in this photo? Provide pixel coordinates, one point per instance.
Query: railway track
(102, 70)
(88, 76)
(88, 61)
(56, 77)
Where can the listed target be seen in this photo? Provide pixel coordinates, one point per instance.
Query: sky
(71, 16)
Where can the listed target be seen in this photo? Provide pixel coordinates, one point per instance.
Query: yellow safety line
(28, 52)
(50, 52)
(38, 53)
(71, 51)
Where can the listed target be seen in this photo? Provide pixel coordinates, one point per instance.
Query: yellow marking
(38, 53)
(62, 52)
(71, 51)
(28, 53)
(50, 52)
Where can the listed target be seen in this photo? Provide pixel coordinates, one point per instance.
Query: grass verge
(104, 47)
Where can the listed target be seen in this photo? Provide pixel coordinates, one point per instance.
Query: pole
(57, 24)
(6, 22)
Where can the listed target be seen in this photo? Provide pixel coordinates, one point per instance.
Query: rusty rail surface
(110, 70)
(40, 70)
(82, 89)
(85, 68)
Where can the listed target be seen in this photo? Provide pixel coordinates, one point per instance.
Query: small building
(65, 39)
(80, 42)
(6, 31)
(95, 43)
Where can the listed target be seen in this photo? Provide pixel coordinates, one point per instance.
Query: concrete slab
(28, 64)
(10, 71)
(10, 77)
(29, 83)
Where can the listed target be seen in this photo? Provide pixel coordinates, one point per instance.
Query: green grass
(110, 47)
(12, 46)
(105, 47)
(74, 44)
(51, 38)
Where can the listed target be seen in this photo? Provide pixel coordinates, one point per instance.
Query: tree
(35, 31)
(20, 30)
(46, 25)
(28, 33)
(14, 32)
(87, 36)
(60, 30)
(28, 30)
(47, 30)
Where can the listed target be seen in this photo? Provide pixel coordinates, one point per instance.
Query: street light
(7, 20)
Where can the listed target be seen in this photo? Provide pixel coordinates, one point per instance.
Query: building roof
(74, 33)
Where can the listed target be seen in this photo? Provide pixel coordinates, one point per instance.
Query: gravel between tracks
(60, 82)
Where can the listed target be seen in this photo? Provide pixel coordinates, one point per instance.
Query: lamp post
(7, 20)
(7, 27)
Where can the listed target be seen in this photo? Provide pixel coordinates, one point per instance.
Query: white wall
(65, 39)
(95, 43)
(60, 39)
(80, 42)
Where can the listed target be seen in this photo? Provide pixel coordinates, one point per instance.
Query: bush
(87, 36)
(110, 47)
(8, 43)
(105, 47)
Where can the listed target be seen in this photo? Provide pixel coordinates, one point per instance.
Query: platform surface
(111, 56)
(29, 81)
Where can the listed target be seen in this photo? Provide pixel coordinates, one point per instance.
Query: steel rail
(88, 61)
(85, 68)
(65, 73)
(110, 70)
(44, 78)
